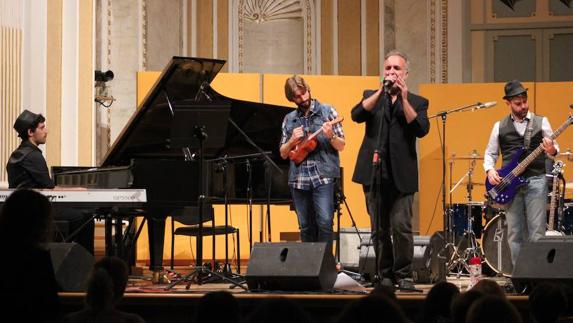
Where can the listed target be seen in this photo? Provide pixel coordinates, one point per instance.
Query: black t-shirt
(27, 168)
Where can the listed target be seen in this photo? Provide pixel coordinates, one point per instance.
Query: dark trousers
(392, 231)
(76, 219)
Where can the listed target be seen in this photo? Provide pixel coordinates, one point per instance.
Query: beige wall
(35, 79)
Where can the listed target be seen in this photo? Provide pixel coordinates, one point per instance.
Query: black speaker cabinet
(72, 265)
(295, 266)
(547, 260)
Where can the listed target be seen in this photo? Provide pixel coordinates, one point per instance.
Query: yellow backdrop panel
(465, 132)
(342, 92)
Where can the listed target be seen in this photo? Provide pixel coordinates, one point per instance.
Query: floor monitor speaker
(294, 266)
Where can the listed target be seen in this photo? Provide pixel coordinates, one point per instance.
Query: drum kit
(470, 238)
(479, 229)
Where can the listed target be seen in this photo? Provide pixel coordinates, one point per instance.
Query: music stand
(202, 128)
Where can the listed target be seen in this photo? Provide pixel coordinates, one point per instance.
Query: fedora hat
(513, 88)
(25, 121)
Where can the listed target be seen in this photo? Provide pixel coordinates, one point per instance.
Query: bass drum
(495, 247)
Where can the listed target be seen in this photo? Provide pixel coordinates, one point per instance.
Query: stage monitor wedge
(547, 260)
(291, 266)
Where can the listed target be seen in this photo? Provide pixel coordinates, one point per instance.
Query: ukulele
(308, 144)
(551, 231)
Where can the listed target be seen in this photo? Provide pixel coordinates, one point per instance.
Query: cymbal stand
(459, 260)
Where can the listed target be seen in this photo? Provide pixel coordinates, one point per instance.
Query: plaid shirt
(309, 176)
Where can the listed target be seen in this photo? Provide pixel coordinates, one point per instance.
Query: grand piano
(152, 152)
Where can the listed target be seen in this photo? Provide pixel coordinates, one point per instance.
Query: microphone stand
(443, 115)
(269, 161)
(375, 183)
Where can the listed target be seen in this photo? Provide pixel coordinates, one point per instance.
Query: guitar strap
(528, 131)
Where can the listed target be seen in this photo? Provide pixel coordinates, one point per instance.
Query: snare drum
(495, 247)
(460, 218)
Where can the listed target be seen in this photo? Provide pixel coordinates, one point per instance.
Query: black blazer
(402, 141)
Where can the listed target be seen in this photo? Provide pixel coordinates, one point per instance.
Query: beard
(394, 90)
(304, 105)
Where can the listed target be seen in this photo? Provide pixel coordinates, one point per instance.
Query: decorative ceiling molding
(266, 11)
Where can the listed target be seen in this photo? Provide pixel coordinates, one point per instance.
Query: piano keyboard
(91, 197)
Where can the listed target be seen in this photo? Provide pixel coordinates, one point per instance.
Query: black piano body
(144, 156)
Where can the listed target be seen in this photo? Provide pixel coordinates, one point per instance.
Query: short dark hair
(23, 133)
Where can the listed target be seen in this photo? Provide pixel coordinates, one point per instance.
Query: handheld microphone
(386, 83)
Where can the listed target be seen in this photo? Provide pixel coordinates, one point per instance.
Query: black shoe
(406, 284)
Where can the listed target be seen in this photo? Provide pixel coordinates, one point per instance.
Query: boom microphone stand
(448, 229)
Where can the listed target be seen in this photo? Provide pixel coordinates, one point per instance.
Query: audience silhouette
(437, 307)
(492, 309)
(462, 303)
(29, 289)
(105, 289)
(279, 310)
(489, 287)
(218, 306)
(547, 303)
(373, 309)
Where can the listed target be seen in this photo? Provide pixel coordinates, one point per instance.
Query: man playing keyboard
(27, 168)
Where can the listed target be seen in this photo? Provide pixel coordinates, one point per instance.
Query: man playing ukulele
(312, 181)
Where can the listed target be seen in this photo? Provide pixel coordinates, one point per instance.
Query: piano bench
(193, 231)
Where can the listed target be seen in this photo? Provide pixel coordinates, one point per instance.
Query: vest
(510, 141)
(325, 156)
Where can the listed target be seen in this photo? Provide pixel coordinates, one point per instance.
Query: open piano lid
(147, 133)
(185, 81)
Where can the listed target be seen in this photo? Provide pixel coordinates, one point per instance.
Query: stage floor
(157, 304)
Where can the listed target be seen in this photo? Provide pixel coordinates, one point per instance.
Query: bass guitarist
(526, 212)
(312, 181)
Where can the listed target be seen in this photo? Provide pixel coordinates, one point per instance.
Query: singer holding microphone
(525, 214)
(394, 118)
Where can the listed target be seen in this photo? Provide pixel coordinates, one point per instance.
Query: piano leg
(156, 233)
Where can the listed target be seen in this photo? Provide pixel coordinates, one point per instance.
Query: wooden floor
(157, 303)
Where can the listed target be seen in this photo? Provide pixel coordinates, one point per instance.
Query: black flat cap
(513, 88)
(25, 121)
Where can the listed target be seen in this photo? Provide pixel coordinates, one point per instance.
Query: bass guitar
(308, 144)
(505, 191)
(551, 231)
